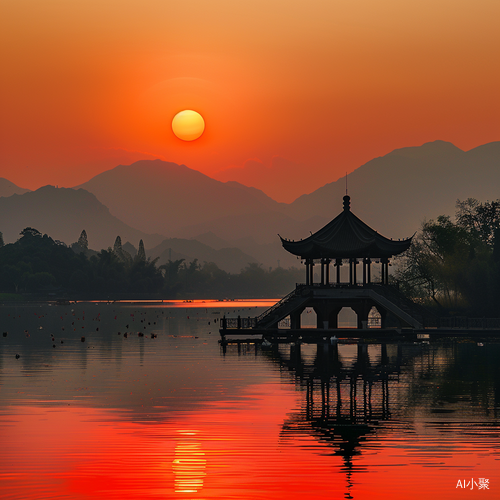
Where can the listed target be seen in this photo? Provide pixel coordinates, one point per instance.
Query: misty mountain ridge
(392, 193)
(8, 188)
(63, 213)
(396, 192)
(164, 197)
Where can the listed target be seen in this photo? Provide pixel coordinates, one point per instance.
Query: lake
(130, 401)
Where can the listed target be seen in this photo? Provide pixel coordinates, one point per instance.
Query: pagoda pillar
(327, 269)
(369, 269)
(352, 271)
(338, 263)
(295, 320)
(322, 272)
(311, 271)
(307, 271)
(362, 311)
(364, 271)
(384, 271)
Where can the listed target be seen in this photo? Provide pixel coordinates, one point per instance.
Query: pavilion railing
(238, 323)
(278, 304)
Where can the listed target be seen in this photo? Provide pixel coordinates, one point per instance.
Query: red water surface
(173, 416)
(230, 450)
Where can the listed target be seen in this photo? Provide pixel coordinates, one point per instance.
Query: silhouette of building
(346, 238)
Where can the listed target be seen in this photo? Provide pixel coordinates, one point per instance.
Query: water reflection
(430, 405)
(189, 463)
(168, 414)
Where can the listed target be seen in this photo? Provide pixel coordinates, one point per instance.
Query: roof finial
(346, 183)
(347, 202)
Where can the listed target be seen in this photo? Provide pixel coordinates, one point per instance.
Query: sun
(188, 125)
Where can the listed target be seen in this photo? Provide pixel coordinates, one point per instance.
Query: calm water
(175, 417)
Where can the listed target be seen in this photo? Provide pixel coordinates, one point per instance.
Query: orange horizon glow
(326, 86)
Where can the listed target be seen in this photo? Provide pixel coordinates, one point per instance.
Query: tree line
(37, 264)
(454, 265)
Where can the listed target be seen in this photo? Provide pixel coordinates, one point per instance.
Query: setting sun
(188, 125)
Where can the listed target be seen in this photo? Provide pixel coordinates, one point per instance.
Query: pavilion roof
(346, 237)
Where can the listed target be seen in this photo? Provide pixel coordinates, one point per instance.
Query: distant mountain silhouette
(8, 188)
(231, 260)
(279, 180)
(63, 213)
(393, 194)
(163, 197)
(212, 240)
(396, 192)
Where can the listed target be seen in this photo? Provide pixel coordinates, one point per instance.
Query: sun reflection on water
(189, 463)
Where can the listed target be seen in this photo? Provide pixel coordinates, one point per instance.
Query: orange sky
(324, 85)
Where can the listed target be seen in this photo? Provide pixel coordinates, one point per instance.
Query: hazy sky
(326, 85)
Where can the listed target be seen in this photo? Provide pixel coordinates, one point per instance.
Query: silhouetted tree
(480, 220)
(1, 240)
(456, 263)
(30, 232)
(83, 241)
(120, 253)
(117, 247)
(141, 253)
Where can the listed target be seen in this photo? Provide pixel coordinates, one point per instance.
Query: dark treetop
(346, 237)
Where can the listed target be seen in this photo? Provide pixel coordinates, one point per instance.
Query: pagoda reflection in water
(347, 395)
(381, 404)
(344, 401)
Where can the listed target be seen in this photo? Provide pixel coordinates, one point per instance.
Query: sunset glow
(91, 86)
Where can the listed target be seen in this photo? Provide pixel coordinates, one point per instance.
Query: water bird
(83, 339)
(18, 356)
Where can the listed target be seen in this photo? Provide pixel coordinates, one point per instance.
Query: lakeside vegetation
(454, 265)
(37, 264)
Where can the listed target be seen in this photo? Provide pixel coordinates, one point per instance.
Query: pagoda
(346, 238)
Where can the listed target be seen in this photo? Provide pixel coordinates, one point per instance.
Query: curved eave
(346, 237)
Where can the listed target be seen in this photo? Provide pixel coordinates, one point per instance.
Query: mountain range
(8, 188)
(155, 201)
(396, 192)
(164, 197)
(63, 213)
